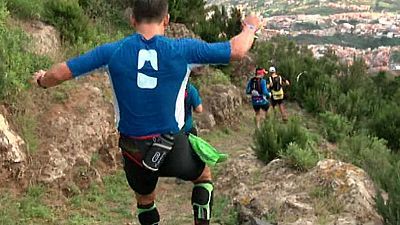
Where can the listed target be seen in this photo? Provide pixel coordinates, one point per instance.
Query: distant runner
(149, 73)
(192, 103)
(257, 88)
(275, 85)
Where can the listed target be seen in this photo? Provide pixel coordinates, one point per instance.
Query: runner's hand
(37, 76)
(252, 22)
(255, 93)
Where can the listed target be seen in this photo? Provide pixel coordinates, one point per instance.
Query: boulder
(336, 192)
(12, 152)
(224, 102)
(205, 122)
(46, 39)
(79, 132)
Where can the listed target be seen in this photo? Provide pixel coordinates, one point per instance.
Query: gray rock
(46, 39)
(205, 122)
(347, 193)
(80, 132)
(12, 151)
(223, 102)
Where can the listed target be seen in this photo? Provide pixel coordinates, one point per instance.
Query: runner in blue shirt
(149, 73)
(257, 88)
(192, 103)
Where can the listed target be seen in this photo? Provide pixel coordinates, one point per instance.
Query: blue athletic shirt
(263, 98)
(149, 78)
(192, 101)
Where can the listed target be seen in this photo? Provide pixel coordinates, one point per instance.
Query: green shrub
(109, 14)
(390, 210)
(386, 124)
(26, 9)
(335, 127)
(369, 153)
(274, 137)
(299, 158)
(217, 78)
(206, 80)
(69, 18)
(17, 63)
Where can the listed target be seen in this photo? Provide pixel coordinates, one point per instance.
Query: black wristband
(39, 84)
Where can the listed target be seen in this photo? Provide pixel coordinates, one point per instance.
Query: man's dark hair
(149, 11)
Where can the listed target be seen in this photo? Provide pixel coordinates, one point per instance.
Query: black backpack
(276, 83)
(256, 84)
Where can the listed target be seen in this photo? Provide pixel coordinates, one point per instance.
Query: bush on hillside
(299, 158)
(26, 9)
(107, 14)
(387, 85)
(17, 63)
(274, 137)
(69, 18)
(390, 209)
(386, 124)
(370, 153)
(206, 80)
(335, 127)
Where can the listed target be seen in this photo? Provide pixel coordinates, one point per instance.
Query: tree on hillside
(188, 12)
(234, 24)
(221, 25)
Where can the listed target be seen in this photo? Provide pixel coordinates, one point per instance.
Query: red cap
(260, 72)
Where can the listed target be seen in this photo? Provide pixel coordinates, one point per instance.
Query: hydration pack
(276, 88)
(256, 84)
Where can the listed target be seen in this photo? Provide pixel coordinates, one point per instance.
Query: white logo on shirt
(144, 81)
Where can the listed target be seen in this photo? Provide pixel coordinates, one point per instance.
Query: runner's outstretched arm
(242, 43)
(58, 73)
(54, 76)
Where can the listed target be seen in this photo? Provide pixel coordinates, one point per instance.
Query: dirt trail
(173, 200)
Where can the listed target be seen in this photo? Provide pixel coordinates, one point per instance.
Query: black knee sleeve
(202, 199)
(148, 214)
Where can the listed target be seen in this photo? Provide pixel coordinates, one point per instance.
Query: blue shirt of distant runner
(149, 78)
(192, 101)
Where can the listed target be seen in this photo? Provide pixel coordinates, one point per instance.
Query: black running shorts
(257, 108)
(276, 102)
(182, 162)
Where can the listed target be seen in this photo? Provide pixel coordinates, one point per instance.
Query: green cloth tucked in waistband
(207, 153)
